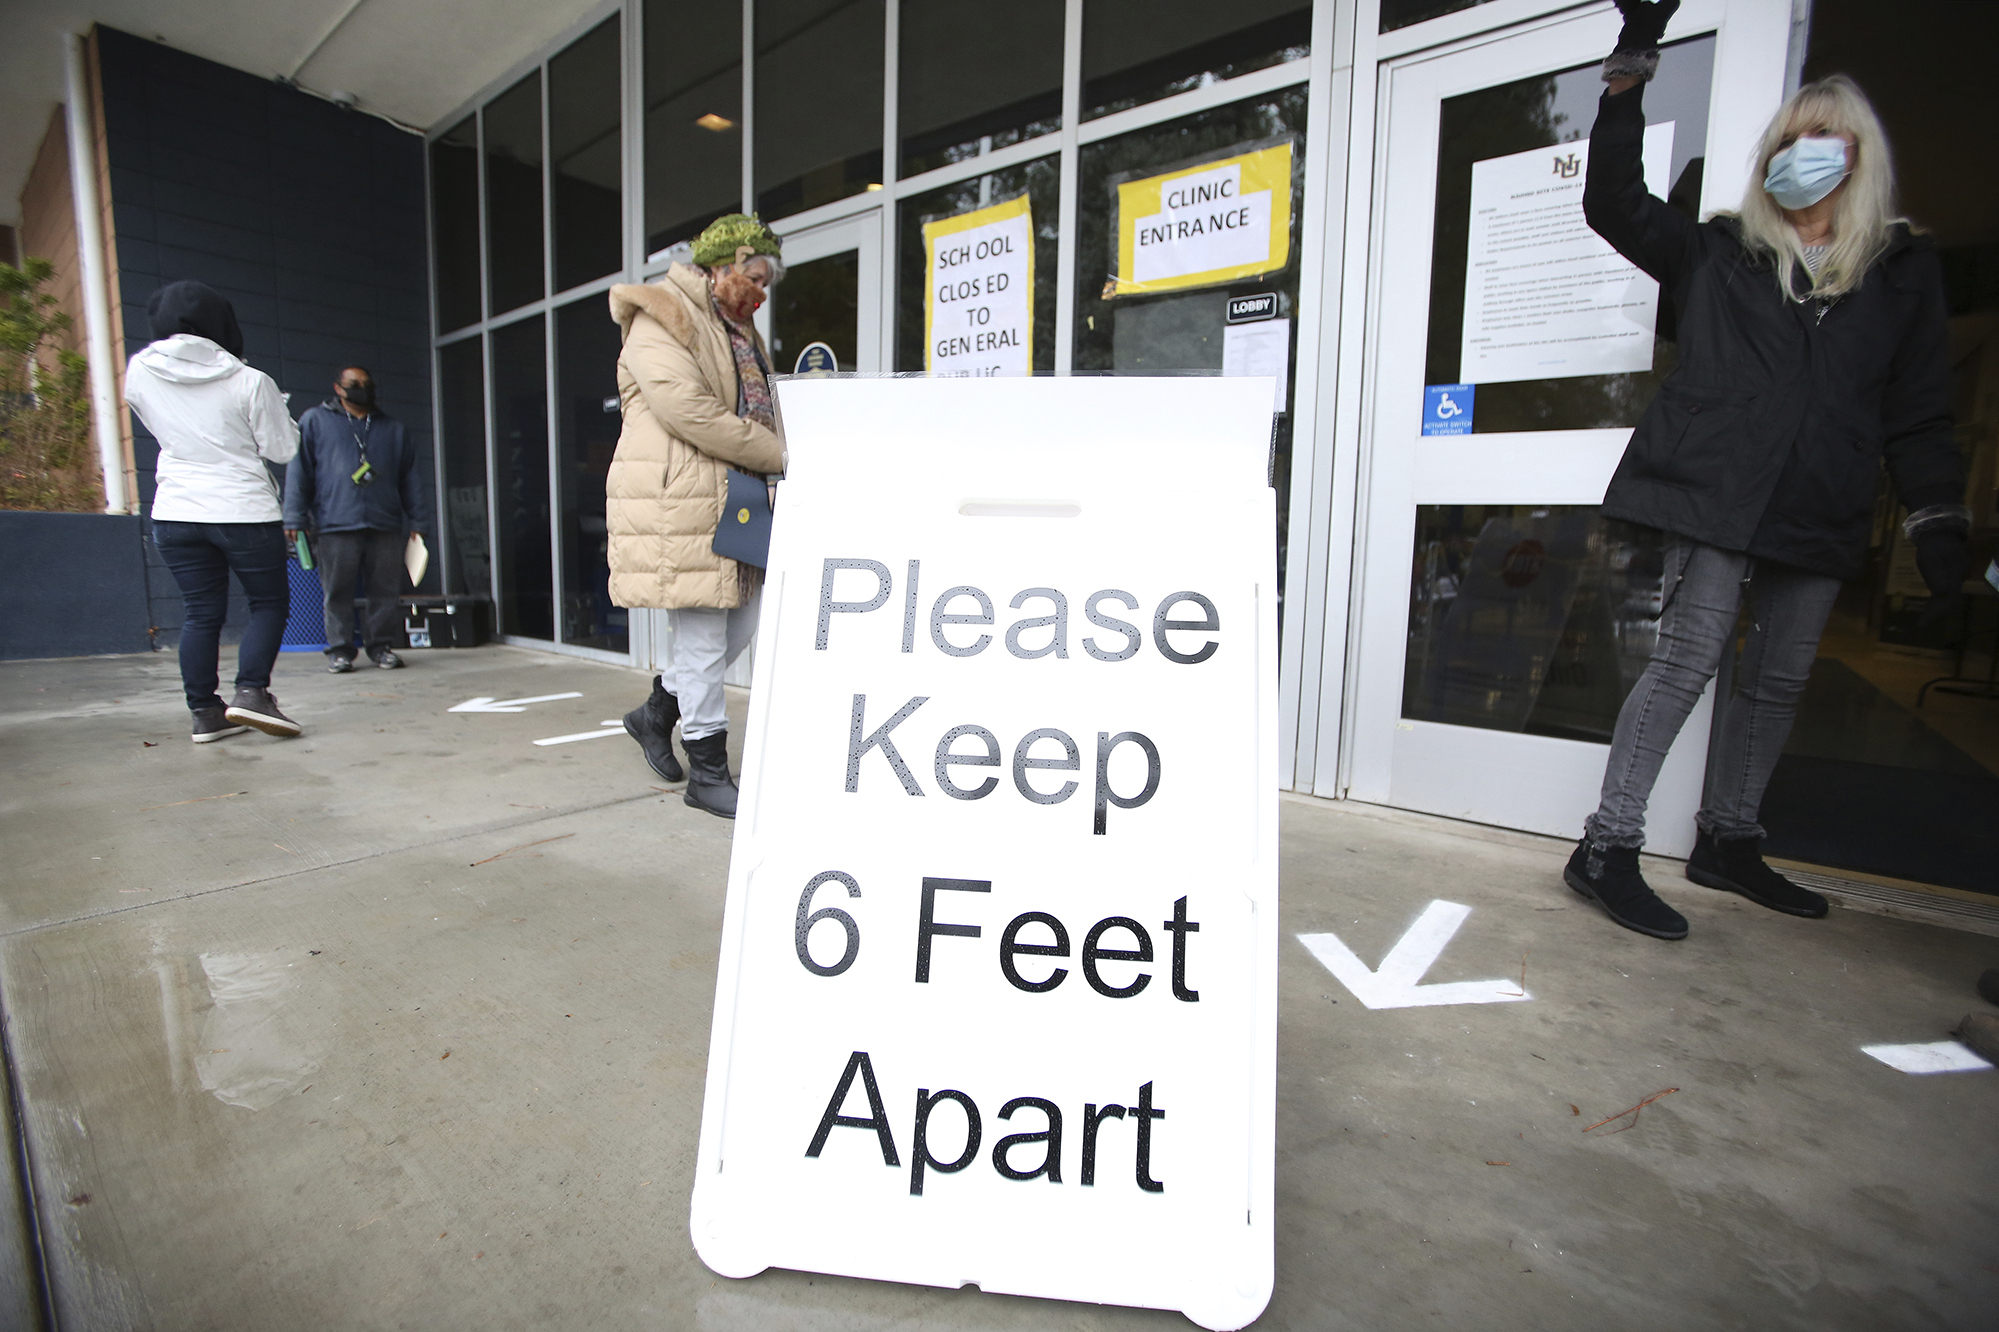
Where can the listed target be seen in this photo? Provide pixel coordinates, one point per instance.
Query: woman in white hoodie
(216, 509)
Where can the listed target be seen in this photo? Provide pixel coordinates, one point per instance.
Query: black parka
(1768, 438)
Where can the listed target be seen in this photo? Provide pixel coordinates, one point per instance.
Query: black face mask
(361, 395)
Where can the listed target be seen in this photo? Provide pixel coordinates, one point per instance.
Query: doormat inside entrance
(1935, 823)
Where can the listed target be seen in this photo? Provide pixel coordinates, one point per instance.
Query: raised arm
(1642, 227)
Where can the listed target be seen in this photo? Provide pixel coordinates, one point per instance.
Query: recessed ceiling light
(711, 121)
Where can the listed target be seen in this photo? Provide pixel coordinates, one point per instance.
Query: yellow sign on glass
(978, 294)
(1205, 224)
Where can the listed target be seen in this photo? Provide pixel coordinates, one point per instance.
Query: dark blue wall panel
(75, 585)
(309, 218)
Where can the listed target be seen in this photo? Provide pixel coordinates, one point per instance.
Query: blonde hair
(1865, 210)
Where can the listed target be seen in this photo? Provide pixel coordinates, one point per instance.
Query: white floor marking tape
(617, 728)
(1934, 1057)
(485, 704)
(1394, 984)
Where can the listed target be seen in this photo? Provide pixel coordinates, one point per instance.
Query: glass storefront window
(694, 113)
(461, 409)
(520, 480)
(1401, 13)
(454, 206)
(819, 102)
(1539, 113)
(1181, 331)
(1041, 181)
(818, 301)
(587, 423)
(954, 106)
(586, 156)
(1534, 619)
(513, 195)
(1137, 51)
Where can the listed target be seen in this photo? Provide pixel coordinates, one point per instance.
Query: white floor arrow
(617, 728)
(509, 704)
(1394, 984)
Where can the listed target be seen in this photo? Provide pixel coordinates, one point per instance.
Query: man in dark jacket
(355, 488)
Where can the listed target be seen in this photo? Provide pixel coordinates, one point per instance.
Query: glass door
(1503, 620)
(830, 297)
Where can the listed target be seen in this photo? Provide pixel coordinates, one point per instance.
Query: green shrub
(46, 459)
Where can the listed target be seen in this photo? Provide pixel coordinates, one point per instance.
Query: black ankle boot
(651, 724)
(1610, 878)
(710, 787)
(1735, 865)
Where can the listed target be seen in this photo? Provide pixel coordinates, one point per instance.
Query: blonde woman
(1812, 348)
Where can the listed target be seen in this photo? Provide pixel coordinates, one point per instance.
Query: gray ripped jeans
(1703, 592)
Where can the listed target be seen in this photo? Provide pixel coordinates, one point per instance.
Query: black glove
(1944, 560)
(1644, 23)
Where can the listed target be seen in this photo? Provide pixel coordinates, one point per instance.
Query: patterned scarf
(753, 401)
(752, 382)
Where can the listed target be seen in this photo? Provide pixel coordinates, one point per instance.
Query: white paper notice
(979, 314)
(1205, 222)
(1259, 349)
(1546, 297)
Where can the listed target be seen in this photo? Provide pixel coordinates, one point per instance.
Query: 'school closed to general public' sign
(996, 998)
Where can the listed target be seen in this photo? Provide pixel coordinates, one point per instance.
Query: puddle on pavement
(258, 1042)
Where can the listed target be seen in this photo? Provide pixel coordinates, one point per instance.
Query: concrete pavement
(403, 1025)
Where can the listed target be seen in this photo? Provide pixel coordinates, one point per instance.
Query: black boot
(651, 724)
(1734, 865)
(1610, 878)
(710, 787)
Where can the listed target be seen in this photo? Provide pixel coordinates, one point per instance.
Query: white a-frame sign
(997, 991)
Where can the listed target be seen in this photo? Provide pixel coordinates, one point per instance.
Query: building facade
(852, 125)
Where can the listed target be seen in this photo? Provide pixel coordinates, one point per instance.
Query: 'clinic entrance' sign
(997, 987)
(1220, 220)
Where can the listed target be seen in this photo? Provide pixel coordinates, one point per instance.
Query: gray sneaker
(386, 659)
(339, 663)
(256, 707)
(213, 724)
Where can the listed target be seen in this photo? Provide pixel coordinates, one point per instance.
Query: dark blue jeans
(202, 556)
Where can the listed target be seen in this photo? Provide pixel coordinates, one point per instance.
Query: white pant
(705, 642)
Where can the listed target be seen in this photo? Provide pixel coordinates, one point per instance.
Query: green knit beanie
(725, 235)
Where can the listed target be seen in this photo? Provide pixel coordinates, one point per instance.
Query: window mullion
(1065, 251)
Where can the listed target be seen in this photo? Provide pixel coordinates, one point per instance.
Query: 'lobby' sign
(978, 295)
(1219, 221)
(997, 981)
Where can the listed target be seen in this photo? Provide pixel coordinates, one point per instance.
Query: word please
(922, 1159)
(943, 619)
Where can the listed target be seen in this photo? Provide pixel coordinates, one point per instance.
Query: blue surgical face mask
(1806, 172)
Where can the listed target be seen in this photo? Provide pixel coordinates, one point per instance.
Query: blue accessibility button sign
(1447, 408)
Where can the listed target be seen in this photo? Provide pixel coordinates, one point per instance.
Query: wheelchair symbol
(1446, 409)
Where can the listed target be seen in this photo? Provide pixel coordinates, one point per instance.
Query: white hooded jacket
(217, 421)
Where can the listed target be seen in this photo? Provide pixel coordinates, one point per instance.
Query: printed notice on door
(978, 304)
(1546, 297)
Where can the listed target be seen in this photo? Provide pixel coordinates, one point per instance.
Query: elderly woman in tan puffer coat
(694, 389)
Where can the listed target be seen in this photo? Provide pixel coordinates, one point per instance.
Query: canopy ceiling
(412, 60)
